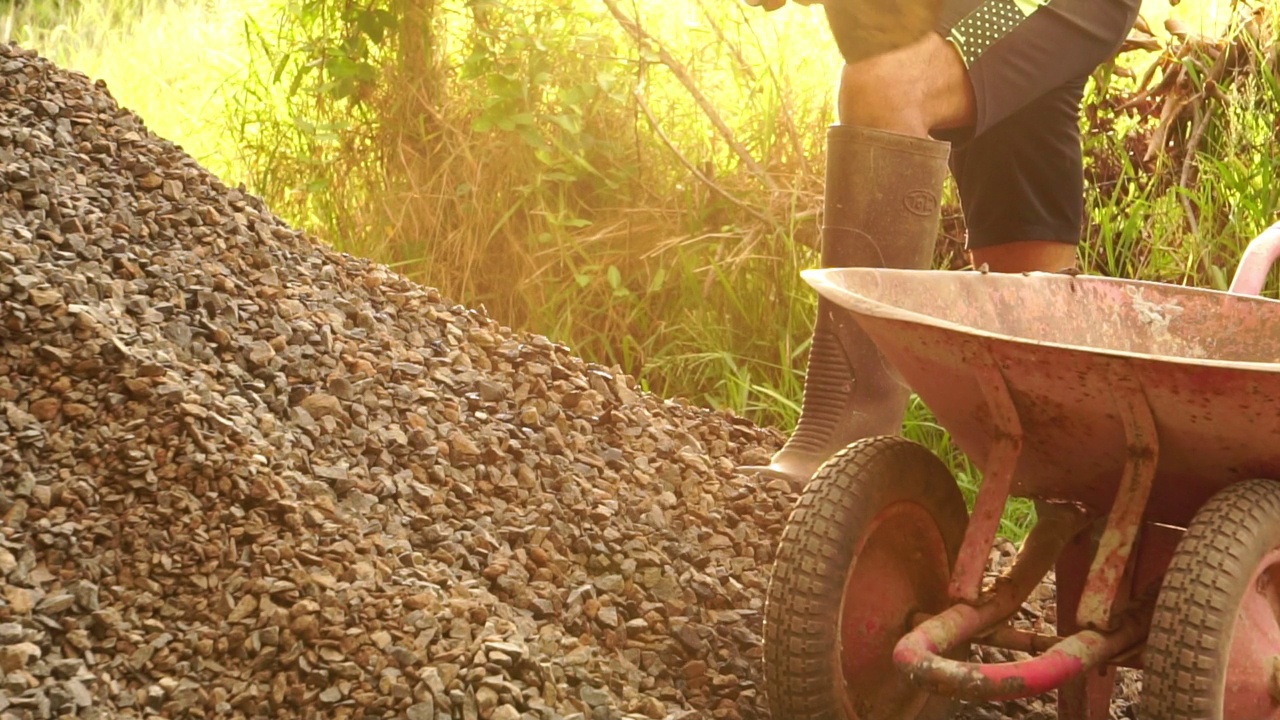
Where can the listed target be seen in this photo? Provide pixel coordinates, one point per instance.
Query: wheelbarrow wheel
(1214, 644)
(870, 543)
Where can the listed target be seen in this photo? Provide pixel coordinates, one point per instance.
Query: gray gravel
(244, 476)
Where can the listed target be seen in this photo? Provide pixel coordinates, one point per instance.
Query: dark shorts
(1019, 168)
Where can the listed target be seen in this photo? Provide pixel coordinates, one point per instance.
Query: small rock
(505, 712)
(261, 353)
(56, 604)
(86, 595)
(595, 697)
(690, 639)
(330, 695)
(422, 711)
(321, 405)
(43, 297)
(21, 600)
(486, 701)
(652, 707)
(608, 616)
(11, 633)
(17, 656)
(512, 650)
(80, 694)
(46, 409)
(610, 583)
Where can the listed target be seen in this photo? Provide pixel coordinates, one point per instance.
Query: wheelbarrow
(1143, 421)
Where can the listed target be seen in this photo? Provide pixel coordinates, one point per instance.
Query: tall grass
(168, 60)
(1182, 213)
(639, 182)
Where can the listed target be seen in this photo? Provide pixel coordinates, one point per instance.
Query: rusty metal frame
(1006, 637)
(919, 655)
(1069, 658)
(997, 481)
(1104, 590)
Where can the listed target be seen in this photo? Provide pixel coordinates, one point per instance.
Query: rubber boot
(881, 210)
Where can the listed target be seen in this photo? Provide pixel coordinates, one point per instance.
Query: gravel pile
(244, 476)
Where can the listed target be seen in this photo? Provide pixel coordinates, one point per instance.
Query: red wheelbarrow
(1142, 419)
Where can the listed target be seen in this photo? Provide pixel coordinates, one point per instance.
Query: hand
(771, 5)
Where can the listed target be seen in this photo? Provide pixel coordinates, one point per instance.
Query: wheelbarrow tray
(1070, 352)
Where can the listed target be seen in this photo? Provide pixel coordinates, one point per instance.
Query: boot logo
(920, 202)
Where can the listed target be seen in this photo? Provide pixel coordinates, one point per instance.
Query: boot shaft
(883, 198)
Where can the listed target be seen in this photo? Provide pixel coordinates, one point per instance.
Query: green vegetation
(170, 61)
(640, 182)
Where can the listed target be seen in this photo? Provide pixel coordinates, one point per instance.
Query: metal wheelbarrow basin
(1144, 421)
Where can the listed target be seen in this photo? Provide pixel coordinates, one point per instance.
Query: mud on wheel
(1214, 646)
(870, 543)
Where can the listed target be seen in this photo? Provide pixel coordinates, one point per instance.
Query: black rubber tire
(816, 556)
(1200, 597)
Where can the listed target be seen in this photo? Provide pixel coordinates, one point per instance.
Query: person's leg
(902, 96)
(1022, 186)
(1020, 175)
(870, 28)
(913, 90)
(850, 391)
(882, 203)
(1026, 256)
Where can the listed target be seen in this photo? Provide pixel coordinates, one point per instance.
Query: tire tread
(816, 549)
(1188, 644)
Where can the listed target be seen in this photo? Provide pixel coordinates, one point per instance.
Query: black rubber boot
(881, 209)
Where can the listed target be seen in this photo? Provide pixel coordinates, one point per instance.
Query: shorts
(1019, 169)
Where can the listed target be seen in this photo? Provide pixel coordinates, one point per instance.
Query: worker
(990, 90)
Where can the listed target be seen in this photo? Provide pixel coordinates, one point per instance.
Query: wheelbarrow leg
(1087, 697)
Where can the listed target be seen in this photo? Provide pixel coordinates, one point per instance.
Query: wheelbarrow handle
(1259, 256)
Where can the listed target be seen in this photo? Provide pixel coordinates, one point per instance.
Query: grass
(168, 60)
(639, 182)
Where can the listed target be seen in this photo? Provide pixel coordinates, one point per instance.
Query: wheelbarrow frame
(1108, 565)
